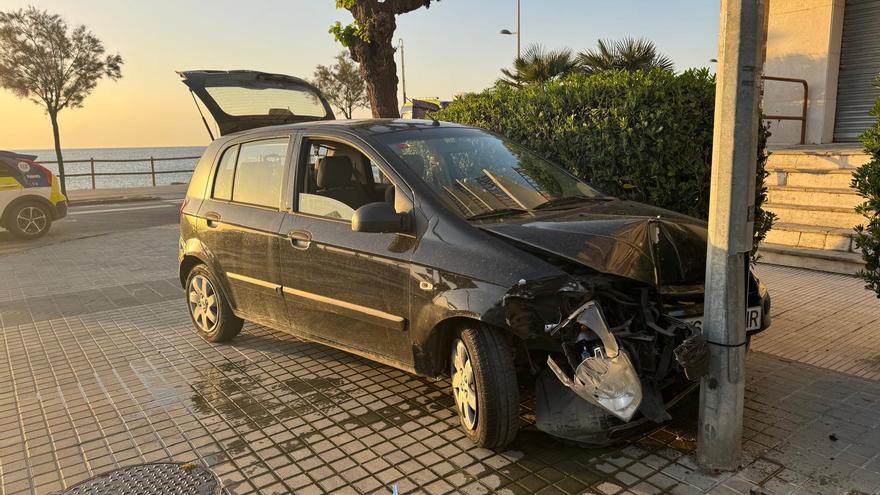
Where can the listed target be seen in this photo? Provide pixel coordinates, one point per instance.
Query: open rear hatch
(239, 100)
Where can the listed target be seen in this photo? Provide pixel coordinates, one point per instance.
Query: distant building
(419, 108)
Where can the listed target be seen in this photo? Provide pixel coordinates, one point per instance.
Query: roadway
(100, 219)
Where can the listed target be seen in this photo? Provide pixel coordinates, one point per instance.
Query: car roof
(370, 127)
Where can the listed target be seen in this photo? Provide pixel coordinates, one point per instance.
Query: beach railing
(151, 160)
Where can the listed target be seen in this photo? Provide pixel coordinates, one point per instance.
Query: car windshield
(479, 174)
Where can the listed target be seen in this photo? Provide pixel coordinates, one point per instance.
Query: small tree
(342, 84)
(629, 54)
(537, 65)
(866, 181)
(56, 68)
(369, 40)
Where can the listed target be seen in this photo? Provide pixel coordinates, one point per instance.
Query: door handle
(212, 218)
(300, 239)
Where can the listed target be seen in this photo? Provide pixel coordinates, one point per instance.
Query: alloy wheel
(31, 220)
(203, 303)
(464, 388)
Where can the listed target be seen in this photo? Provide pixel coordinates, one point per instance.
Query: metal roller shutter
(859, 64)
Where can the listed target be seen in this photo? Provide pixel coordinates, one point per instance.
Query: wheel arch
(188, 262)
(194, 254)
(30, 198)
(432, 358)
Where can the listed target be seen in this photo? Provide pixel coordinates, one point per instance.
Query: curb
(111, 199)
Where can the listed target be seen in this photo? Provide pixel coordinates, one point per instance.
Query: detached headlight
(607, 378)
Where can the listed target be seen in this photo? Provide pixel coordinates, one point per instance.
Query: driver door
(348, 289)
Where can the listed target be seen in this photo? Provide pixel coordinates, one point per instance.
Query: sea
(76, 161)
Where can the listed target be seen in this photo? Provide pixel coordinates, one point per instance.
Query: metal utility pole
(731, 222)
(507, 31)
(402, 69)
(518, 29)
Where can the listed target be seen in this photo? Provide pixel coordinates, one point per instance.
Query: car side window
(378, 177)
(225, 173)
(259, 172)
(338, 179)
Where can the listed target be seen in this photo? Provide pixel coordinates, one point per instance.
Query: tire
(494, 422)
(204, 300)
(29, 220)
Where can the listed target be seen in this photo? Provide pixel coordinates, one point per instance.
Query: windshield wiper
(498, 212)
(567, 200)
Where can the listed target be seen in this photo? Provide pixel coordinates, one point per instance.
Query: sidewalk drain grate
(150, 479)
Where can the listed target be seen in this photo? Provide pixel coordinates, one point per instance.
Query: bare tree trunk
(376, 59)
(53, 116)
(380, 73)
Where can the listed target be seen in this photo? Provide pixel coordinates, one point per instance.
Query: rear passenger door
(241, 220)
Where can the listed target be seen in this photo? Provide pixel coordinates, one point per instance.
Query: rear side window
(238, 101)
(259, 172)
(225, 173)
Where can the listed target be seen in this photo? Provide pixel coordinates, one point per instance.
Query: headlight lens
(607, 378)
(611, 383)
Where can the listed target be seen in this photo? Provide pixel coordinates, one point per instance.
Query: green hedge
(645, 136)
(866, 181)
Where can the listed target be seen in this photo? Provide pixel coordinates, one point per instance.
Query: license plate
(753, 319)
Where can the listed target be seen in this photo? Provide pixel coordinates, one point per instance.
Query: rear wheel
(29, 220)
(484, 387)
(209, 311)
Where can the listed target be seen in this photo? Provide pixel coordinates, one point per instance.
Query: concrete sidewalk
(100, 368)
(80, 197)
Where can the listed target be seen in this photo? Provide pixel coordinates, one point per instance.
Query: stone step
(814, 196)
(813, 259)
(826, 179)
(819, 216)
(810, 236)
(846, 158)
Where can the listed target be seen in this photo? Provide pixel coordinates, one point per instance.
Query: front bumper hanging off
(605, 389)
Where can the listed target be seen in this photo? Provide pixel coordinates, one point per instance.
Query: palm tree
(537, 65)
(629, 54)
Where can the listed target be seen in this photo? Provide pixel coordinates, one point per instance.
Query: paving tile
(104, 369)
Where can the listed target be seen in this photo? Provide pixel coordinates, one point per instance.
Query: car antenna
(434, 122)
(202, 115)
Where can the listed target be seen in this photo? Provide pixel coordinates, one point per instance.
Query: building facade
(831, 47)
(834, 46)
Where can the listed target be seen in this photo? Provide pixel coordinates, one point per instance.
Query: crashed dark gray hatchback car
(445, 251)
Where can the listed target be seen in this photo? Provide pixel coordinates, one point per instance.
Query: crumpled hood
(617, 237)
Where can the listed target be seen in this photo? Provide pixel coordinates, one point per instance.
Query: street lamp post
(507, 31)
(402, 69)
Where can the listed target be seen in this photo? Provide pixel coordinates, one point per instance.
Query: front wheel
(209, 311)
(484, 387)
(29, 220)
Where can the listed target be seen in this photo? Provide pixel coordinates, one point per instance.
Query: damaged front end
(606, 378)
(617, 354)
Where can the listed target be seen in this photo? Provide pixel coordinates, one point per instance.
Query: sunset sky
(453, 47)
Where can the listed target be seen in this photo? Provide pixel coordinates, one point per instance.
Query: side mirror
(379, 217)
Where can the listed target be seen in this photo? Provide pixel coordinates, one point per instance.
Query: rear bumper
(59, 210)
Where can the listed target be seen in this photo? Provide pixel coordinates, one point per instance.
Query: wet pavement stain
(534, 459)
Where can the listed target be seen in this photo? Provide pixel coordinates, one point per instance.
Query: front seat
(335, 181)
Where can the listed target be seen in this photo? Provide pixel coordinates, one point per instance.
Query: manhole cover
(148, 479)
